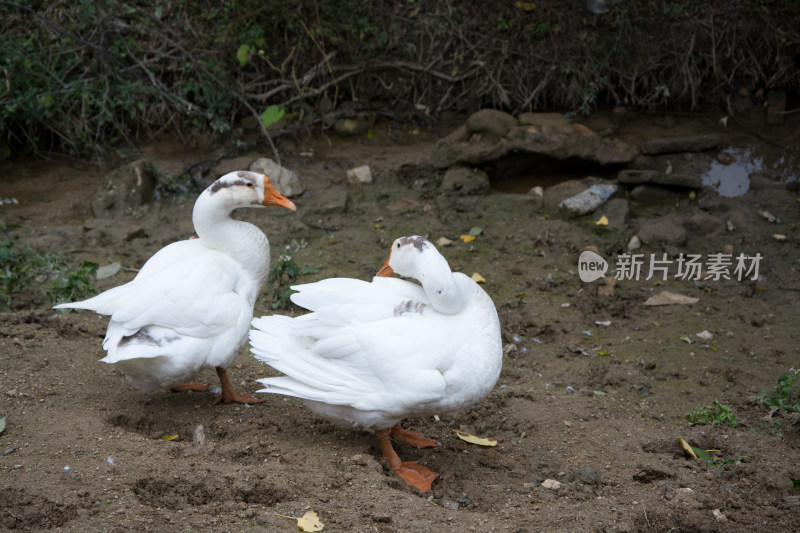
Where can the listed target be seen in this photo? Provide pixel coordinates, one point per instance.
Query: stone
(359, 175)
(616, 210)
(653, 194)
(355, 125)
(690, 143)
(464, 181)
(124, 190)
(329, 201)
(285, 180)
(544, 134)
(589, 199)
(704, 224)
(111, 231)
(490, 123)
(634, 244)
(661, 231)
(638, 176)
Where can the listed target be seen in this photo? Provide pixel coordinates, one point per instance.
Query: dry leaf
(477, 278)
(308, 522)
(444, 241)
(669, 298)
(467, 238)
(170, 437)
(602, 221)
(688, 448)
(473, 439)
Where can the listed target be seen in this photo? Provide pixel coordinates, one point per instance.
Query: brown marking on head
(219, 185)
(420, 243)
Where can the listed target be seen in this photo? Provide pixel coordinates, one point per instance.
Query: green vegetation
(23, 270)
(86, 76)
(283, 274)
(717, 414)
(785, 396)
(70, 286)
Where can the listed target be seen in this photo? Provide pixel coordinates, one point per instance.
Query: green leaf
(243, 54)
(271, 115)
(475, 231)
(46, 100)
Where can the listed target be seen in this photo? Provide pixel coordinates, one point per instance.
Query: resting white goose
(191, 304)
(371, 354)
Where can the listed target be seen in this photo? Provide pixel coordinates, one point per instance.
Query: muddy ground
(598, 408)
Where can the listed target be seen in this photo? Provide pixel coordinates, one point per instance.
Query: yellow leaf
(688, 448)
(526, 6)
(477, 278)
(473, 439)
(308, 522)
(170, 437)
(467, 238)
(602, 221)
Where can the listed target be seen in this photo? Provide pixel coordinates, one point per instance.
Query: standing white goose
(191, 304)
(371, 354)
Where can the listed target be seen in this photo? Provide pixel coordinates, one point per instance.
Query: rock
(124, 190)
(704, 224)
(634, 243)
(616, 210)
(704, 335)
(670, 298)
(359, 175)
(536, 191)
(588, 200)
(653, 194)
(635, 176)
(199, 435)
(490, 124)
(330, 201)
(661, 231)
(464, 181)
(588, 475)
(549, 122)
(360, 123)
(551, 484)
(109, 231)
(691, 143)
(546, 134)
(285, 180)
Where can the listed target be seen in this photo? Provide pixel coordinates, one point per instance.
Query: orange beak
(273, 197)
(385, 270)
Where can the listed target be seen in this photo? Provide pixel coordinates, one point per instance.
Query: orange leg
(228, 395)
(185, 387)
(411, 472)
(413, 438)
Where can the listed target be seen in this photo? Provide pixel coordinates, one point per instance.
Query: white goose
(371, 354)
(191, 304)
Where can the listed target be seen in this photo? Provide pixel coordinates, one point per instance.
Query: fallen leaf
(473, 439)
(688, 448)
(475, 231)
(779, 237)
(170, 437)
(526, 6)
(308, 522)
(669, 298)
(602, 221)
(686, 339)
(477, 278)
(2, 424)
(444, 241)
(467, 238)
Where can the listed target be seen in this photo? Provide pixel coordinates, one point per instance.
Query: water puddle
(732, 178)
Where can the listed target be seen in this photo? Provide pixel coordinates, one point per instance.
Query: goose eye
(398, 245)
(249, 184)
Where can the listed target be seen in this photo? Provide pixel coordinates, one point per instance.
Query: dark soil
(599, 409)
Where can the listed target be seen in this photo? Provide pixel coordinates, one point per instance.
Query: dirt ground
(598, 408)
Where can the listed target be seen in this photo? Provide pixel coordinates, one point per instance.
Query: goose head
(246, 189)
(415, 257)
